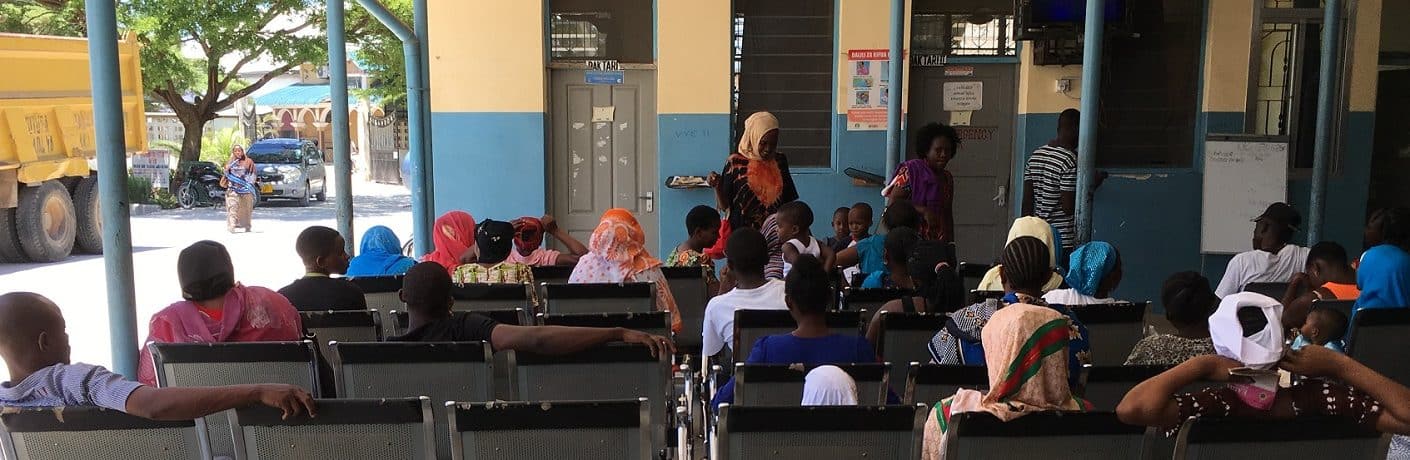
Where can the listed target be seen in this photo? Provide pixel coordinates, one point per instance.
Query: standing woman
(240, 194)
(755, 181)
(925, 181)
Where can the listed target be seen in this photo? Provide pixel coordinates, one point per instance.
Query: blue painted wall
(689, 145)
(1153, 214)
(490, 164)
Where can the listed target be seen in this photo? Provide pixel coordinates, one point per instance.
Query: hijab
(452, 234)
(764, 176)
(380, 255)
(1026, 226)
(1247, 328)
(205, 271)
(1089, 265)
(1384, 278)
(616, 251)
(528, 234)
(829, 386)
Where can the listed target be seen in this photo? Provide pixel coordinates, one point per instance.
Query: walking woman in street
(240, 193)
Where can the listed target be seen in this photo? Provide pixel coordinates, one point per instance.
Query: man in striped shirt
(1050, 181)
(35, 347)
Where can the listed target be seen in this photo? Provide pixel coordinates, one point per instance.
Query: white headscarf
(829, 386)
(1263, 349)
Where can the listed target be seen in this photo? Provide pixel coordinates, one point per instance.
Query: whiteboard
(1242, 176)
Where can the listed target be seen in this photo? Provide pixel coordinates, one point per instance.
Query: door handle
(650, 198)
(1001, 199)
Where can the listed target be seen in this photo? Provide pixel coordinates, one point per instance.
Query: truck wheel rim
(55, 218)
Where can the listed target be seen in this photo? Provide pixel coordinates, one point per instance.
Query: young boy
(528, 243)
(795, 220)
(842, 233)
(1325, 327)
(747, 255)
(859, 222)
(702, 227)
(321, 249)
(35, 347)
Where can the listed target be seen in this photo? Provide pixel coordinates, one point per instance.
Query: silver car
(289, 169)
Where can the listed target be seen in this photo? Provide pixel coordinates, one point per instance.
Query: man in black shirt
(321, 248)
(426, 291)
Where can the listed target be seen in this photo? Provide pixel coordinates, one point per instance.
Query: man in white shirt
(1274, 259)
(747, 255)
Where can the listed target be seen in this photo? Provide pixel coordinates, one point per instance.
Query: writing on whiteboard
(1241, 178)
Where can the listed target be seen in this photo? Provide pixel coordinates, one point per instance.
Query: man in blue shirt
(35, 347)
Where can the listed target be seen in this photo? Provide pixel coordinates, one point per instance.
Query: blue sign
(604, 77)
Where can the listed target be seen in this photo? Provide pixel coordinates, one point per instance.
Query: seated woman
(1094, 270)
(1188, 300)
(829, 386)
(938, 289)
(1036, 228)
(1025, 269)
(1247, 332)
(217, 309)
(896, 249)
(379, 255)
(453, 235)
(494, 241)
(812, 343)
(528, 243)
(617, 254)
(1029, 373)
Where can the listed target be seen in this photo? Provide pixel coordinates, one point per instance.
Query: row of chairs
(404, 428)
(448, 371)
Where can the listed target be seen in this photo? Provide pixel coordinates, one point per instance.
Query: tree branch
(230, 99)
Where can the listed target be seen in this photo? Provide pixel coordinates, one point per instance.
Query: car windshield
(275, 154)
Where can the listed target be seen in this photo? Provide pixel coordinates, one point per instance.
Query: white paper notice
(963, 96)
(961, 118)
(602, 114)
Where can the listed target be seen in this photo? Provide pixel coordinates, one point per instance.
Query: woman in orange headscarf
(617, 254)
(755, 181)
(453, 234)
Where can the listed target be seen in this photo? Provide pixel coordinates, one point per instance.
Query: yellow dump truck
(48, 187)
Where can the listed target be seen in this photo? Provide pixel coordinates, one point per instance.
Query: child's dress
(812, 249)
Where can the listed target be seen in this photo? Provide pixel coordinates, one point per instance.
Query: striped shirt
(62, 385)
(1053, 171)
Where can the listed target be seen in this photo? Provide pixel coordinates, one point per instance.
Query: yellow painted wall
(1226, 60)
(1365, 53)
(865, 24)
(486, 55)
(693, 60)
(1037, 85)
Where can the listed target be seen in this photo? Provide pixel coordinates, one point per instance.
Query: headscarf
(528, 234)
(453, 234)
(1089, 265)
(1031, 344)
(772, 240)
(1384, 278)
(205, 271)
(1026, 226)
(764, 177)
(380, 255)
(829, 386)
(616, 251)
(1258, 349)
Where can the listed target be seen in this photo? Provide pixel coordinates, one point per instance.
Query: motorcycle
(202, 186)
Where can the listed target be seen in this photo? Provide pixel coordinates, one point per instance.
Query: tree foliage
(245, 30)
(43, 17)
(380, 53)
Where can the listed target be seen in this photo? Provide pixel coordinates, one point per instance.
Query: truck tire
(89, 239)
(10, 251)
(47, 223)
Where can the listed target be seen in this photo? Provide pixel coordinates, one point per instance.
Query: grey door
(604, 151)
(983, 165)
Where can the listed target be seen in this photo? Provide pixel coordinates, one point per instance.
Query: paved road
(265, 257)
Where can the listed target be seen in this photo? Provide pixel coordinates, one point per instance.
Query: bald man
(36, 350)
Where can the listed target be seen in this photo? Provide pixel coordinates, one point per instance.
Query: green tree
(379, 52)
(196, 89)
(43, 17)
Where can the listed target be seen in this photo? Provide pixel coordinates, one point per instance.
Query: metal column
(112, 184)
(1091, 97)
(416, 118)
(1327, 85)
(421, 26)
(338, 83)
(893, 92)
